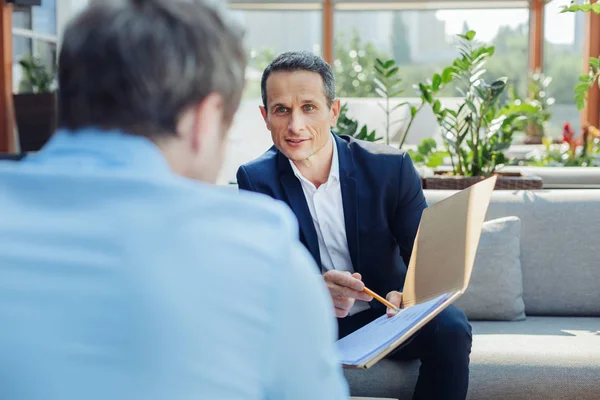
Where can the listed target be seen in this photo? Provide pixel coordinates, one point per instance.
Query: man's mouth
(295, 141)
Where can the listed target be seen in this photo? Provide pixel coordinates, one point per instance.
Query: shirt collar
(107, 148)
(334, 171)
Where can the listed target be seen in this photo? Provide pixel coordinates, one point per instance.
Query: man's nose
(297, 123)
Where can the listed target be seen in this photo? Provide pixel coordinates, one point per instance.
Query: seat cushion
(552, 358)
(495, 292)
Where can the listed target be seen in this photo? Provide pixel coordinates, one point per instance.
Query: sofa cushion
(559, 232)
(549, 358)
(495, 291)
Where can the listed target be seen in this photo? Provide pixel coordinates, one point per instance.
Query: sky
(559, 28)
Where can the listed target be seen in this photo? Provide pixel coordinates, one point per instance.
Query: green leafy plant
(538, 88)
(348, 126)
(586, 80)
(585, 7)
(36, 77)
(481, 129)
(427, 153)
(387, 86)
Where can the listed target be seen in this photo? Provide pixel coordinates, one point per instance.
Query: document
(438, 273)
(372, 338)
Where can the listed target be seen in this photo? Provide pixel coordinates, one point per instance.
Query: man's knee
(452, 329)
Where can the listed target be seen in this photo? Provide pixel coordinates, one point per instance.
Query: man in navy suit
(358, 205)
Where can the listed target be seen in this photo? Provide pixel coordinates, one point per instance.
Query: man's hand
(345, 289)
(396, 299)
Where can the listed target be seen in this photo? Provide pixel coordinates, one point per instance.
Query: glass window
(563, 50)
(268, 34)
(423, 42)
(21, 17)
(44, 17)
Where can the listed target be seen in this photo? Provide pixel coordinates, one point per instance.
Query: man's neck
(316, 168)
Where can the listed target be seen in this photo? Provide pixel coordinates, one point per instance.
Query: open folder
(438, 273)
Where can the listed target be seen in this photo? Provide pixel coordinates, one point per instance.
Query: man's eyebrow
(277, 105)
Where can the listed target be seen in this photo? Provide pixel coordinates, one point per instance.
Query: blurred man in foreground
(121, 277)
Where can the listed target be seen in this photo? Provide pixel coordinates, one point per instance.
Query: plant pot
(506, 181)
(35, 115)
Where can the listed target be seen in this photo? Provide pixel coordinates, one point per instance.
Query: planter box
(36, 119)
(505, 182)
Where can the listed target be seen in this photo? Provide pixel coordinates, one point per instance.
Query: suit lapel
(349, 199)
(293, 190)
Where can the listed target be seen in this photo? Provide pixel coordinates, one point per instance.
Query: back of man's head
(138, 65)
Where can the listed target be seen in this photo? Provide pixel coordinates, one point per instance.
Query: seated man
(358, 205)
(121, 275)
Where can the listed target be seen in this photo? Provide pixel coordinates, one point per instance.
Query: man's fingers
(358, 276)
(339, 313)
(342, 291)
(396, 299)
(344, 303)
(344, 279)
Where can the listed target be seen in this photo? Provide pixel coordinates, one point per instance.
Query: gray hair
(137, 65)
(292, 61)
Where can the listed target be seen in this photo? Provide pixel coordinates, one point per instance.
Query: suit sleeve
(243, 179)
(409, 208)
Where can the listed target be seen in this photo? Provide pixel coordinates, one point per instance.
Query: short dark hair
(137, 65)
(300, 61)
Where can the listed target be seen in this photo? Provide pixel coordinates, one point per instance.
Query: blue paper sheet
(372, 338)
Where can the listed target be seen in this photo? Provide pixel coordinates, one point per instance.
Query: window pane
(21, 17)
(563, 55)
(22, 46)
(424, 42)
(268, 33)
(44, 17)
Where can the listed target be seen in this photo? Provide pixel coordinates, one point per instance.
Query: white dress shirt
(327, 211)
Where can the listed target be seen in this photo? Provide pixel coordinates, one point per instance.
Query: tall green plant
(586, 80)
(480, 130)
(36, 77)
(388, 86)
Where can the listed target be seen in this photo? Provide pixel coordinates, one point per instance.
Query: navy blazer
(383, 202)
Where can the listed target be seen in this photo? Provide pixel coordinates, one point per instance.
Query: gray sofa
(549, 350)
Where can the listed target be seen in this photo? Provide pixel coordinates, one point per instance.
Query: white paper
(369, 340)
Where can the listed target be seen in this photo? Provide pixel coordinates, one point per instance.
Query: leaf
(436, 82)
(471, 106)
(392, 72)
(582, 87)
(381, 92)
(413, 111)
(397, 106)
(447, 75)
(595, 62)
(596, 8)
(379, 70)
(379, 83)
(397, 93)
(389, 64)
(437, 106)
(381, 64)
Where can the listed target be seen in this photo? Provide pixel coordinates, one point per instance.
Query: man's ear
(207, 119)
(263, 112)
(335, 112)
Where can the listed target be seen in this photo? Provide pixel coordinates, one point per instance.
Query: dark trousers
(443, 346)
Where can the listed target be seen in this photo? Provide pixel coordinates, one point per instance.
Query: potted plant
(481, 129)
(35, 105)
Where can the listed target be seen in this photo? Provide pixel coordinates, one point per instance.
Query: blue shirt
(122, 280)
